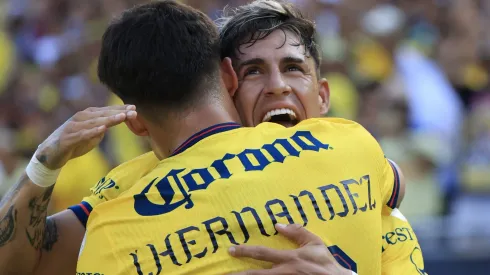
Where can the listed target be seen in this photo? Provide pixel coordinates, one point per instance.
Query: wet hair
(250, 23)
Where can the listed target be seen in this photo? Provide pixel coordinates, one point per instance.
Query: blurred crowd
(414, 72)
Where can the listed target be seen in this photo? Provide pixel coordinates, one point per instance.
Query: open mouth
(284, 116)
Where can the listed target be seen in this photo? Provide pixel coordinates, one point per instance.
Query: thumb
(298, 234)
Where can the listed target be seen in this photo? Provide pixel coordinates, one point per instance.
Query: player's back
(231, 187)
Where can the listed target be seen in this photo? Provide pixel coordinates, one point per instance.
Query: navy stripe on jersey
(218, 128)
(393, 201)
(82, 211)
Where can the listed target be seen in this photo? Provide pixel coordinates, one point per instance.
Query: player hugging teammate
(209, 183)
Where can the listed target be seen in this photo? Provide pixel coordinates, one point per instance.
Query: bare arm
(22, 226)
(31, 242)
(63, 236)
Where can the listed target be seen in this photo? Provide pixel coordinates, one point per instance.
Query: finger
(112, 107)
(131, 115)
(257, 272)
(102, 111)
(100, 121)
(298, 234)
(96, 140)
(87, 134)
(273, 271)
(262, 253)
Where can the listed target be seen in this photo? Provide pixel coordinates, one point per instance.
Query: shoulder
(344, 130)
(147, 158)
(334, 124)
(122, 177)
(398, 234)
(400, 247)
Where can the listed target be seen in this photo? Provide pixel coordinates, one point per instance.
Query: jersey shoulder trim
(82, 211)
(393, 201)
(215, 129)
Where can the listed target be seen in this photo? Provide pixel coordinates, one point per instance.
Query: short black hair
(250, 23)
(160, 56)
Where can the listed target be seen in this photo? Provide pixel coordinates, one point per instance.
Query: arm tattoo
(8, 223)
(38, 207)
(42, 159)
(7, 226)
(40, 232)
(50, 234)
(14, 191)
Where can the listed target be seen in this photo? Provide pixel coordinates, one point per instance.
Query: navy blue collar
(215, 129)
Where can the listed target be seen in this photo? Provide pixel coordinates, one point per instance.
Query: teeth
(276, 112)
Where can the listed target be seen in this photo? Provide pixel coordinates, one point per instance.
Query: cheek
(245, 99)
(239, 104)
(312, 108)
(308, 96)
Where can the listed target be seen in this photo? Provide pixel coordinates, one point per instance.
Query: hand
(313, 257)
(80, 134)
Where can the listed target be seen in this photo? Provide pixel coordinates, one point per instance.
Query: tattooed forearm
(24, 229)
(14, 191)
(7, 226)
(8, 223)
(38, 207)
(50, 234)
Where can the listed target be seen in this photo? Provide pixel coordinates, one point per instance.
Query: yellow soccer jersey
(228, 185)
(401, 250)
(76, 177)
(116, 182)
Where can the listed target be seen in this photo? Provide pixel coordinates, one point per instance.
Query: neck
(169, 136)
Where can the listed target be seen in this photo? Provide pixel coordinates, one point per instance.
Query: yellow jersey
(75, 179)
(114, 183)
(228, 185)
(401, 250)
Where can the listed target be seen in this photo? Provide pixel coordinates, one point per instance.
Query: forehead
(275, 46)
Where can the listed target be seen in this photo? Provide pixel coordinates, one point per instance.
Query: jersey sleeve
(94, 257)
(386, 173)
(390, 183)
(401, 253)
(98, 195)
(117, 181)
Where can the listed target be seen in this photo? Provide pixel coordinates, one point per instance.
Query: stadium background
(414, 72)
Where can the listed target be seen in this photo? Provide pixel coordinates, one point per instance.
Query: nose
(277, 85)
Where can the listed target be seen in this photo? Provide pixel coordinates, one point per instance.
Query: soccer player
(399, 239)
(224, 185)
(106, 189)
(277, 61)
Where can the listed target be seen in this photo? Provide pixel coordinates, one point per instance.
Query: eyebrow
(261, 61)
(292, 59)
(253, 61)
